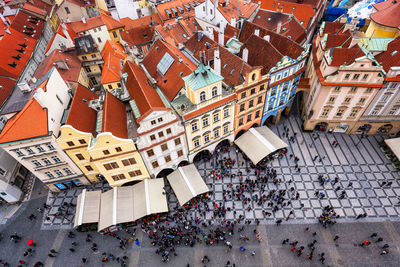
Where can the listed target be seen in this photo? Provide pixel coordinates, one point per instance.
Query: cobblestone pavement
(364, 165)
(55, 200)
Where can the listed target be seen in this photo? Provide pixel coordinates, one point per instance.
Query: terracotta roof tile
(111, 69)
(290, 26)
(80, 115)
(7, 85)
(230, 31)
(34, 9)
(145, 96)
(303, 11)
(113, 48)
(114, 117)
(285, 46)
(138, 36)
(262, 53)
(70, 74)
(341, 56)
(170, 83)
(14, 55)
(28, 25)
(233, 67)
(110, 22)
(389, 16)
(336, 40)
(174, 4)
(246, 9)
(390, 58)
(172, 33)
(332, 27)
(153, 20)
(79, 26)
(32, 117)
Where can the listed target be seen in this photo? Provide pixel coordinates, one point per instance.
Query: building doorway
(321, 126)
(384, 129)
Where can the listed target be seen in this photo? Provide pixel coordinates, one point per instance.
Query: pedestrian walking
(53, 251)
(336, 238)
(51, 255)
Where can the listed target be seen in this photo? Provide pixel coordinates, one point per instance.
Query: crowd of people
(207, 222)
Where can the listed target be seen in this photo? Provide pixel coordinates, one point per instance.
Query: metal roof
(202, 77)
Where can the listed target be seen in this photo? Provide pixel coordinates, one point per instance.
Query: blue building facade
(282, 86)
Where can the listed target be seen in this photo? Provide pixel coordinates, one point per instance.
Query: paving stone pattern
(55, 200)
(364, 165)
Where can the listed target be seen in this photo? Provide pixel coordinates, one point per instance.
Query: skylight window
(165, 63)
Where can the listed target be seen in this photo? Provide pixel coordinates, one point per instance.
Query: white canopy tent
(126, 204)
(87, 208)
(394, 145)
(257, 143)
(187, 183)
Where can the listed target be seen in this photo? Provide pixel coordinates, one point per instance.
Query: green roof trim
(375, 44)
(135, 108)
(202, 77)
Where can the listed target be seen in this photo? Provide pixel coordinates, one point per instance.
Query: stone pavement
(364, 165)
(55, 200)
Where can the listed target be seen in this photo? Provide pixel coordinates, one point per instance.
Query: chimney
(257, 32)
(245, 54)
(217, 61)
(221, 38)
(278, 28)
(233, 22)
(267, 37)
(24, 87)
(62, 64)
(83, 20)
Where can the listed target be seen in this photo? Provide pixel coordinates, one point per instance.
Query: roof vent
(24, 87)
(395, 52)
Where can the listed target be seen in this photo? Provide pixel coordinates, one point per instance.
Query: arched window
(202, 96)
(214, 91)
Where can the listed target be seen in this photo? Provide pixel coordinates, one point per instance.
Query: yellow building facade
(117, 160)
(380, 31)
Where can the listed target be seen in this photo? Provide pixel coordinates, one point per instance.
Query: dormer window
(202, 96)
(14, 65)
(17, 57)
(21, 50)
(23, 45)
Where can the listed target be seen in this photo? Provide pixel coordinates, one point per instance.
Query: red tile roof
(171, 83)
(138, 36)
(145, 96)
(233, 68)
(285, 46)
(32, 117)
(79, 26)
(7, 85)
(71, 74)
(114, 117)
(153, 20)
(38, 4)
(9, 54)
(383, 5)
(246, 9)
(345, 56)
(161, 8)
(110, 22)
(303, 11)
(28, 25)
(80, 115)
(172, 33)
(290, 26)
(112, 69)
(336, 40)
(389, 16)
(114, 48)
(34, 9)
(390, 58)
(333, 27)
(262, 53)
(230, 32)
